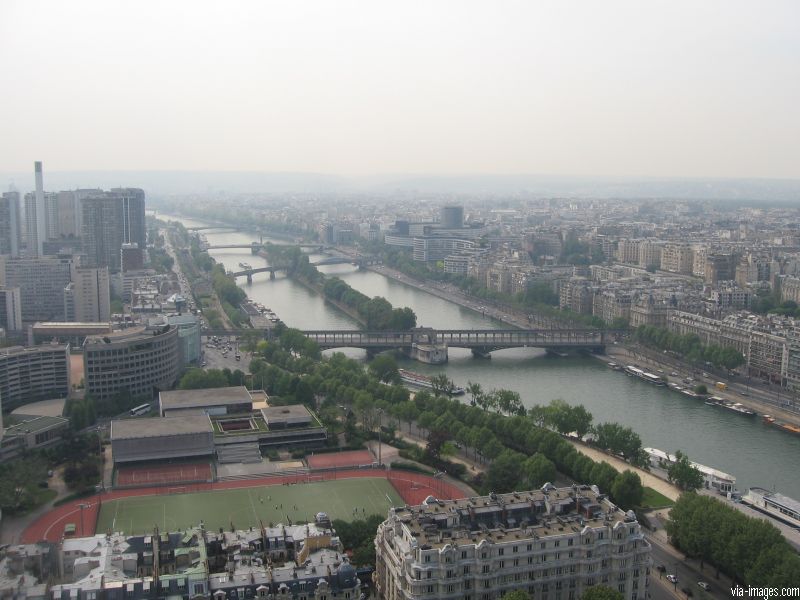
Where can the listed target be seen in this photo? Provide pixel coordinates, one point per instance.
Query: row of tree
(378, 313)
(688, 346)
(342, 381)
(750, 550)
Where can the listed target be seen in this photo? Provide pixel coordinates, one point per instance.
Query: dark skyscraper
(10, 228)
(452, 217)
(111, 219)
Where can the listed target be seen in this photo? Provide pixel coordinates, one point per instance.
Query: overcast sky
(610, 88)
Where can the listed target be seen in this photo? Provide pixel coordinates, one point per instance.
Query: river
(742, 446)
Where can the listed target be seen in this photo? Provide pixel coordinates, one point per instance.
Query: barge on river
(423, 381)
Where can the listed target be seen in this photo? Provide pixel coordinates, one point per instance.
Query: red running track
(412, 487)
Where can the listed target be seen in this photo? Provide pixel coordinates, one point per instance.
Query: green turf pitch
(246, 506)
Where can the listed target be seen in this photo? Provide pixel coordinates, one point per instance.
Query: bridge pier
(249, 278)
(481, 353)
(271, 275)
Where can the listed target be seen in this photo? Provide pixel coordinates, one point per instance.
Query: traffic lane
(688, 575)
(213, 358)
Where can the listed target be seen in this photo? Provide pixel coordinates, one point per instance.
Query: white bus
(140, 410)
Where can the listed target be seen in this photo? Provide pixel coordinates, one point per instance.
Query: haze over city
(444, 300)
(612, 89)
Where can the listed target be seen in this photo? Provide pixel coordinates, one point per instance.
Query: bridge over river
(430, 345)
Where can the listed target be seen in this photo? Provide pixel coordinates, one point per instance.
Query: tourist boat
(423, 381)
(774, 504)
(649, 377)
(788, 427)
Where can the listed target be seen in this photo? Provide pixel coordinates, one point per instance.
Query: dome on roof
(346, 575)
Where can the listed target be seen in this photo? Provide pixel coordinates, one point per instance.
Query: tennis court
(240, 508)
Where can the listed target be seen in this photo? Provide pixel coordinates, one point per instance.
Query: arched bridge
(207, 227)
(359, 262)
(481, 342)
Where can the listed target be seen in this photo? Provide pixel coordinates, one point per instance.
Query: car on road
(672, 578)
(704, 585)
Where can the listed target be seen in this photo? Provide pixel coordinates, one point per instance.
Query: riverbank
(624, 355)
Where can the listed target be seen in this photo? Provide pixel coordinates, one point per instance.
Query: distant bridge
(481, 342)
(207, 227)
(333, 260)
(259, 246)
(359, 261)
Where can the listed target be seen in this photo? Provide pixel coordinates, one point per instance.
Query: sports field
(243, 507)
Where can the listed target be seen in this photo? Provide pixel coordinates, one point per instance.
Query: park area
(249, 506)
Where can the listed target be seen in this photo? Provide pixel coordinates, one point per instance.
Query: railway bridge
(430, 345)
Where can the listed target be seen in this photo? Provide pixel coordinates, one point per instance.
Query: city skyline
(618, 90)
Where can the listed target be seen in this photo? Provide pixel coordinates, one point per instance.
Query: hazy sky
(639, 88)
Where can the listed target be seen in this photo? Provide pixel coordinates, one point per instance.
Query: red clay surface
(161, 474)
(412, 487)
(350, 458)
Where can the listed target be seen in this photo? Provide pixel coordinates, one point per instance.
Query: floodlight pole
(380, 445)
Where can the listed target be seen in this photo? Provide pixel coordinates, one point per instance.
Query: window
(486, 568)
(430, 589)
(515, 549)
(543, 545)
(557, 543)
(466, 570)
(516, 562)
(529, 547)
(569, 542)
(530, 560)
(467, 585)
(501, 551)
(501, 564)
(427, 558)
(463, 554)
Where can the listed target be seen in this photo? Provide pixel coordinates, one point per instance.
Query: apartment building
(677, 258)
(551, 543)
(141, 360)
(33, 373)
(41, 281)
(87, 297)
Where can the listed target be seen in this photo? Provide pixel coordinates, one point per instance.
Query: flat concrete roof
(291, 414)
(208, 397)
(24, 424)
(126, 429)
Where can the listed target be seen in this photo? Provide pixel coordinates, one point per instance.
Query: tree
(384, 367)
(601, 592)
(701, 389)
(683, 474)
(436, 441)
(627, 490)
(196, 379)
(442, 385)
(538, 470)
(475, 392)
(516, 595)
(504, 472)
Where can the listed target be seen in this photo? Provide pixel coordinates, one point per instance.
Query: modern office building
(33, 373)
(10, 224)
(212, 401)
(41, 281)
(110, 220)
(452, 217)
(87, 297)
(36, 215)
(10, 309)
(553, 543)
(141, 360)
